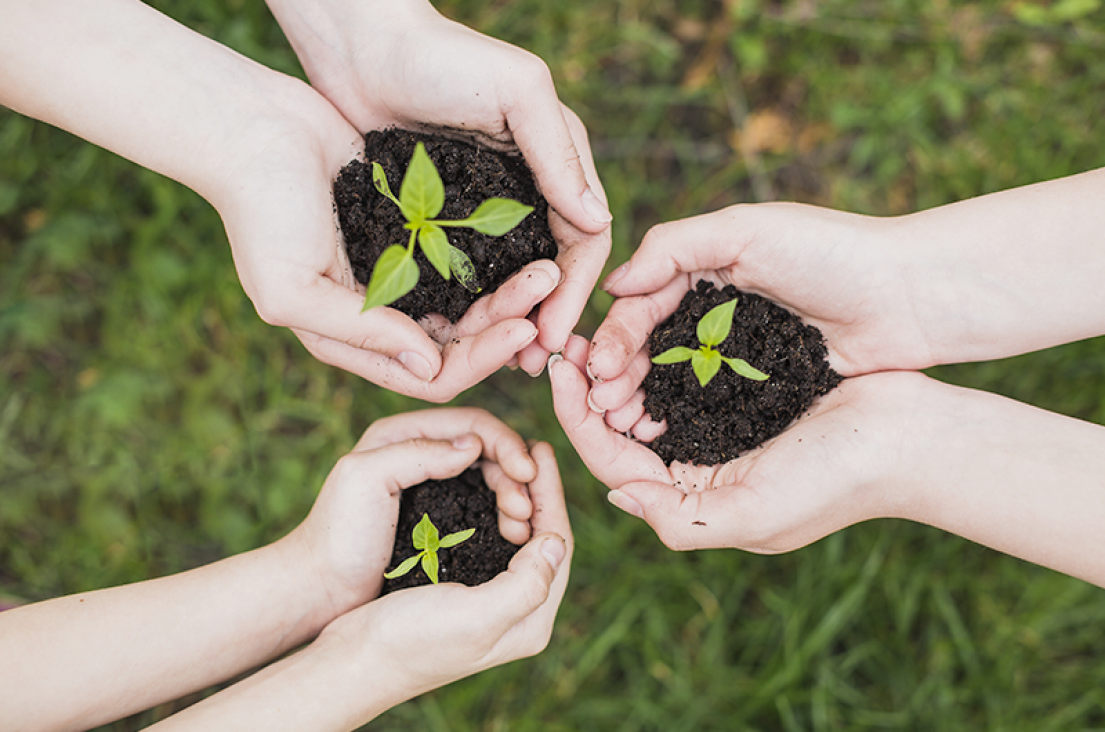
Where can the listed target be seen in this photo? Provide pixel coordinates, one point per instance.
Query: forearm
(129, 79)
(83, 660)
(320, 688)
(1015, 478)
(1010, 272)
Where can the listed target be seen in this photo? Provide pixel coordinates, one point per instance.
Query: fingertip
(554, 549)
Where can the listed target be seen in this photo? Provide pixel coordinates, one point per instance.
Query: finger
(646, 430)
(627, 326)
(550, 511)
(629, 414)
(330, 312)
(532, 358)
(514, 299)
(708, 242)
(407, 463)
(609, 456)
(543, 130)
(581, 256)
(521, 603)
(576, 351)
(500, 444)
(513, 502)
(617, 392)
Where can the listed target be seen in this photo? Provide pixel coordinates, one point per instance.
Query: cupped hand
(837, 271)
(349, 534)
(424, 637)
(277, 207)
(421, 70)
(834, 467)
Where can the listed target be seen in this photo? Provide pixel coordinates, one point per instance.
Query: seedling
(421, 198)
(426, 539)
(705, 360)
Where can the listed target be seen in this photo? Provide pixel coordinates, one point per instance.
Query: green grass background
(149, 421)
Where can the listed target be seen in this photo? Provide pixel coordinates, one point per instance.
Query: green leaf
(715, 325)
(675, 355)
(380, 179)
(435, 245)
(706, 364)
(743, 368)
(456, 538)
(495, 216)
(463, 268)
(394, 275)
(406, 566)
(422, 194)
(425, 534)
(430, 565)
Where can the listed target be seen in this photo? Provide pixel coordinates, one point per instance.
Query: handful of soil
(731, 415)
(471, 173)
(453, 504)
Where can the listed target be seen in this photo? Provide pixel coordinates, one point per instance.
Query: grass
(149, 421)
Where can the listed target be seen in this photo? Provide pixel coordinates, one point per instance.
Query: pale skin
(263, 149)
(399, 62)
(114, 652)
(982, 279)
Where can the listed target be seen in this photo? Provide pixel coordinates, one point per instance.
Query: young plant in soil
(715, 422)
(457, 504)
(706, 360)
(428, 541)
(371, 221)
(421, 198)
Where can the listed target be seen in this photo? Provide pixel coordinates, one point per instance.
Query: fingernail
(465, 442)
(591, 403)
(591, 374)
(625, 503)
(416, 364)
(594, 208)
(614, 276)
(553, 358)
(554, 280)
(553, 549)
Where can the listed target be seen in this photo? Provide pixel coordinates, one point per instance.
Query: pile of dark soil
(732, 414)
(454, 504)
(471, 174)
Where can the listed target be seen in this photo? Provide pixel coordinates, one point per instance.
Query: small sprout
(425, 538)
(705, 360)
(421, 198)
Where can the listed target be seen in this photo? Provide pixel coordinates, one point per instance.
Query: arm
(895, 444)
(409, 642)
(263, 149)
(117, 651)
(982, 279)
(384, 63)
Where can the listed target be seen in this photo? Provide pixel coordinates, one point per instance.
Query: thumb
(527, 584)
(554, 144)
(332, 311)
(404, 464)
(706, 242)
(683, 521)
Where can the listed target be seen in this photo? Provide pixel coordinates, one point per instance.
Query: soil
(471, 174)
(731, 415)
(454, 504)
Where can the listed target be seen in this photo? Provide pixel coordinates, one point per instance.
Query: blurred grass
(150, 422)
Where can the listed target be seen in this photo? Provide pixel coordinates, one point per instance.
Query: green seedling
(421, 198)
(426, 539)
(705, 360)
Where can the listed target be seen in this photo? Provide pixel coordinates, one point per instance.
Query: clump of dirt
(471, 173)
(731, 415)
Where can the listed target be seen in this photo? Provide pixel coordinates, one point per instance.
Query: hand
(421, 69)
(823, 473)
(349, 534)
(835, 270)
(424, 637)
